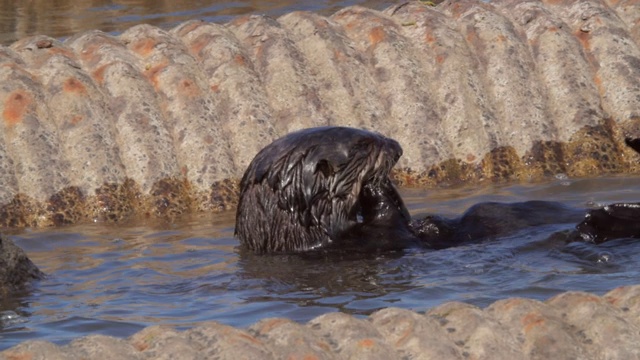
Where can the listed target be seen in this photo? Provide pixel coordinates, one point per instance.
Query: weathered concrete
(16, 270)
(572, 325)
(154, 122)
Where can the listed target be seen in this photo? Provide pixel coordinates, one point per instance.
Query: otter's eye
(325, 168)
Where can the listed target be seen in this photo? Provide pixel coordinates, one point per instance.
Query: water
(63, 18)
(114, 280)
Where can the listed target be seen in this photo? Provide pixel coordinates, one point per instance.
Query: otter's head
(308, 188)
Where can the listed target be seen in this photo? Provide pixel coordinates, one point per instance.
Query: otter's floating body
(329, 187)
(305, 190)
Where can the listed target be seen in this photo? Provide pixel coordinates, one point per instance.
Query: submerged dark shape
(329, 188)
(490, 220)
(17, 271)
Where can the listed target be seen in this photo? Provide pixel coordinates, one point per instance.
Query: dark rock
(16, 270)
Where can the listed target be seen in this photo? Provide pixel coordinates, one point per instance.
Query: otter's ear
(325, 168)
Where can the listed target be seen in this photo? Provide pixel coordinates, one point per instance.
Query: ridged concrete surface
(156, 122)
(572, 325)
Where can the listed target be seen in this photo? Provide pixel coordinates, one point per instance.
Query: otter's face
(306, 189)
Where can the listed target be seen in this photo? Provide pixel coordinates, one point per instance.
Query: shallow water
(115, 280)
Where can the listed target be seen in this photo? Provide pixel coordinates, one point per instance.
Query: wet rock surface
(16, 270)
(160, 123)
(572, 325)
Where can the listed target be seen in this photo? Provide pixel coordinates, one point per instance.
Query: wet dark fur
(329, 188)
(613, 221)
(304, 191)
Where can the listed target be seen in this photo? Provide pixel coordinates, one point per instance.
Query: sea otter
(329, 188)
(318, 188)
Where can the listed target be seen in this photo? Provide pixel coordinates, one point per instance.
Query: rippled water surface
(117, 279)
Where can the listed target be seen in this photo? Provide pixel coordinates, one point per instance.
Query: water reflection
(334, 279)
(62, 18)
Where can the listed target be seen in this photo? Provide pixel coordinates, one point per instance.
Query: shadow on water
(114, 280)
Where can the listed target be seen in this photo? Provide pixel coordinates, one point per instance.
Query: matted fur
(302, 191)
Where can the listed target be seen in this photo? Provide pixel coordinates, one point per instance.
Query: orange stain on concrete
(239, 59)
(440, 59)
(199, 43)
(90, 53)
(73, 85)
(140, 345)
(531, 321)
(366, 343)
(597, 80)
(98, 74)
(351, 24)
(62, 51)
(153, 72)
(15, 106)
(376, 35)
(215, 88)
(144, 47)
(320, 23)
(19, 355)
(189, 28)
(307, 357)
(429, 38)
(76, 119)
(472, 37)
(339, 55)
(584, 38)
(189, 88)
